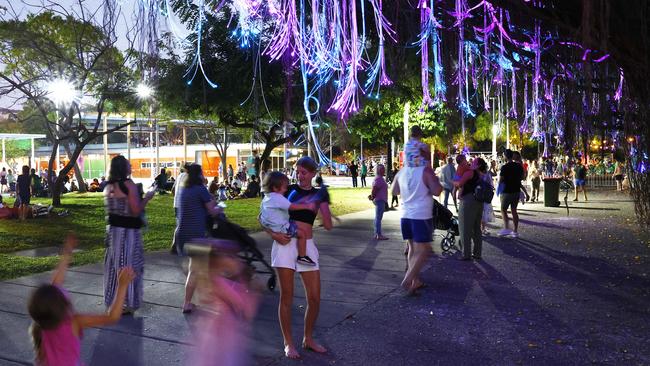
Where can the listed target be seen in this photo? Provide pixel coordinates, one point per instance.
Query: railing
(601, 181)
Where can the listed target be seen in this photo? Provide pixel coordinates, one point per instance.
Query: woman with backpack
(470, 209)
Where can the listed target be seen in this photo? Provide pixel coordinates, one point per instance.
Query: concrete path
(572, 290)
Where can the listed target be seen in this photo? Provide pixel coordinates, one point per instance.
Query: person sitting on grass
(274, 213)
(57, 329)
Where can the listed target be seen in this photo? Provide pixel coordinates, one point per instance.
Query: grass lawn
(87, 221)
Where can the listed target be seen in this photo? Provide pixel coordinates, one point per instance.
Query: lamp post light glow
(62, 92)
(144, 91)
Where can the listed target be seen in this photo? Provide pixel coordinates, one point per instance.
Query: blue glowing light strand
(439, 82)
(197, 64)
(424, 53)
(309, 95)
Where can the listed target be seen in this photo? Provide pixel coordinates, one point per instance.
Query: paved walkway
(571, 290)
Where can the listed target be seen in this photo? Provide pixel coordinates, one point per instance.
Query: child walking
(229, 299)
(56, 329)
(274, 213)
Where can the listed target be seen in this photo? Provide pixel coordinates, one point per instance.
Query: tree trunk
(77, 172)
(224, 153)
(58, 184)
(50, 169)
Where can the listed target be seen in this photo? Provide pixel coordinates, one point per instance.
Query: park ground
(23, 243)
(572, 290)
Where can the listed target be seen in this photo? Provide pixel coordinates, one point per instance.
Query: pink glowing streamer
(619, 90)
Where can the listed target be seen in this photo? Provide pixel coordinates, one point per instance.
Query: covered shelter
(18, 136)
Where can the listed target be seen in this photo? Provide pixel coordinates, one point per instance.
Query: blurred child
(229, 301)
(274, 213)
(56, 329)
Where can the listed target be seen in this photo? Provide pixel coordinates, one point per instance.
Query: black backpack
(483, 191)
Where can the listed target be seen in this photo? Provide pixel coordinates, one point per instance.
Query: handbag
(483, 191)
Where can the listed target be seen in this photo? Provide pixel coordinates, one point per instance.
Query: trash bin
(552, 192)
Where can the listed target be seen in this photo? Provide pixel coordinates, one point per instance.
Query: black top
(24, 182)
(295, 194)
(470, 186)
(354, 170)
(581, 172)
(512, 174)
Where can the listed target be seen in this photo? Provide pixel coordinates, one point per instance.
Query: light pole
(145, 92)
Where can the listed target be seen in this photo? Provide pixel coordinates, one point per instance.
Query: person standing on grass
(417, 188)
(447, 174)
(24, 192)
(3, 180)
(283, 258)
(379, 197)
(509, 189)
(124, 247)
(580, 179)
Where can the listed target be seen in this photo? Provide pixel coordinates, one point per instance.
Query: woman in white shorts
(284, 252)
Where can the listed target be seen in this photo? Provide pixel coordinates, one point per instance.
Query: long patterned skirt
(123, 249)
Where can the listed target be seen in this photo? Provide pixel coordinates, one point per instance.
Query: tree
(72, 46)
(249, 95)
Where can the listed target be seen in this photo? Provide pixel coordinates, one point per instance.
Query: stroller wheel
(271, 283)
(446, 244)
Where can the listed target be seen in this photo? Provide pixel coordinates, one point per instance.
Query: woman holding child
(285, 251)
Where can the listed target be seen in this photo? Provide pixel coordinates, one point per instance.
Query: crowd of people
(288, 210)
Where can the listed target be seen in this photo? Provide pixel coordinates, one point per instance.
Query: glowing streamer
(619, 90)
(424, 50)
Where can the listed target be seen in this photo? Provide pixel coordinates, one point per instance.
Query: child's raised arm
(124, 278)
(66, 255)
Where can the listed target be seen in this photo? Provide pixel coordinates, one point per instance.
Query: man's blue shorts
(420, 231)
(579, 182)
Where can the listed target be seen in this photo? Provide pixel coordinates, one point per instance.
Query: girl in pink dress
(56, 329)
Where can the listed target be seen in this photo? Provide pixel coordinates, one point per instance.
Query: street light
(144, 91)
(62, 93)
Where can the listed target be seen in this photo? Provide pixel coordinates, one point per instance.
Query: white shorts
(284, 256)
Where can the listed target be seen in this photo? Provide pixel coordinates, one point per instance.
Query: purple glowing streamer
(619, 90)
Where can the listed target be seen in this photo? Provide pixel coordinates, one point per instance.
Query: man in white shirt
(447, 174)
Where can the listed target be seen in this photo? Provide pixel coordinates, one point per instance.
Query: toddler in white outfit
(274, 213)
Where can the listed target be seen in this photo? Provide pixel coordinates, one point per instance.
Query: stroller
(222, 228)
(445, 220)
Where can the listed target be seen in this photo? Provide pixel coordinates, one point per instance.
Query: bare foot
(291, 352)
(417, 284)
(313, 346)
